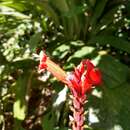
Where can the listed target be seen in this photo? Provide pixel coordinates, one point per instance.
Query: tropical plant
(69, 31)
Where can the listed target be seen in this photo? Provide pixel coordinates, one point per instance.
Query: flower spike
(80, 82)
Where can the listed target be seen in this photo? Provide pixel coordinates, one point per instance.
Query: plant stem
(78, 113)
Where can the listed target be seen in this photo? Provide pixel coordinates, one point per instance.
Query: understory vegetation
(69, 31)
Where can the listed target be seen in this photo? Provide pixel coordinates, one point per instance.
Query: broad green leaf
(113, 41)
(114, 73)
(111, 109)
(20, 106)
(82, 52)
(61, 51)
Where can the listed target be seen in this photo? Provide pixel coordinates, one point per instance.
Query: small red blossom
(42, 66)
(49, 65)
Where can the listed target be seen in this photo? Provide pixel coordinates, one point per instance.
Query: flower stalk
(78, 113)
(84, 77)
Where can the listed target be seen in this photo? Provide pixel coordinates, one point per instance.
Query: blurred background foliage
(69, 31)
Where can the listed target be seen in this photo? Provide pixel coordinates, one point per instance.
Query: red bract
(95, 76)
(83, 78)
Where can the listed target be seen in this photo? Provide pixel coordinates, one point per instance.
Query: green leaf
(113, 41)
(25, 64)
(91, 2)
(19, 107)
(98, 10)
(114, 73)
(19, 6)
(82, 52)
(46, 8)
(111, 109)
(34, 40)
(48, 121)
(17, 125)
(61, 51)
(19, 110)
(5, 10)
(105, 20)
(60, 5)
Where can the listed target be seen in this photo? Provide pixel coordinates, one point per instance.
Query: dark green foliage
(69, 31)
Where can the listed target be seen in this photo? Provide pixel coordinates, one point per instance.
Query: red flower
(80, 81)
(83, 78)
(43, 58)
(46, 63)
